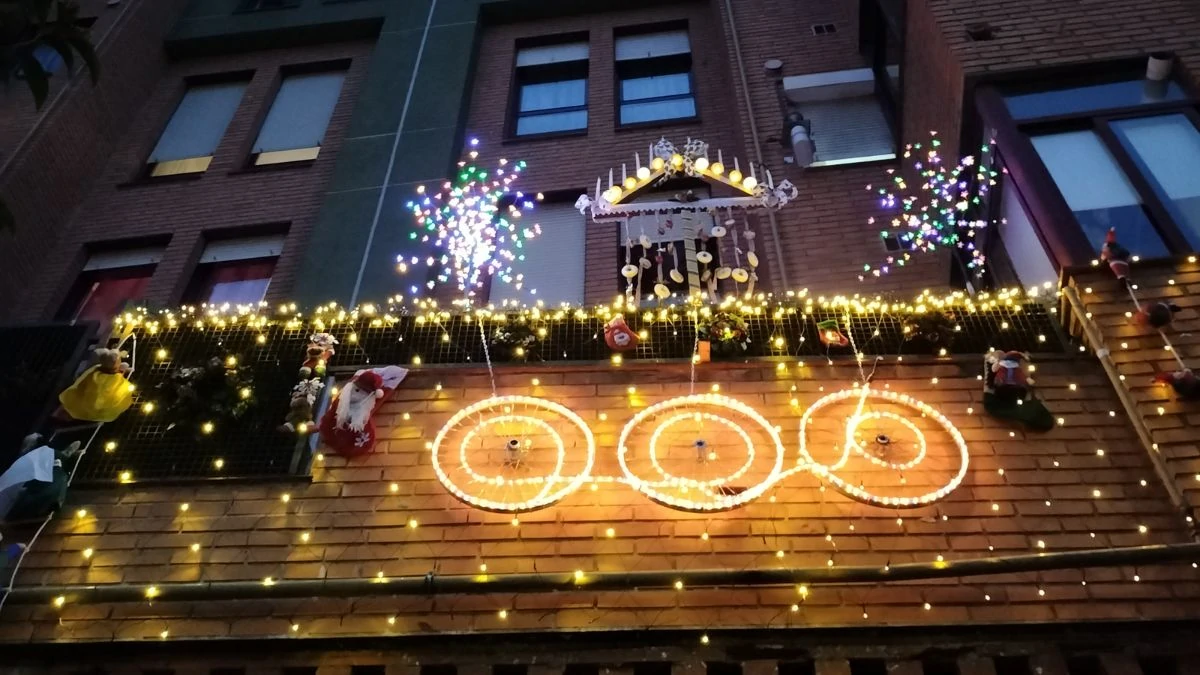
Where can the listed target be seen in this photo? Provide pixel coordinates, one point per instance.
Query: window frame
(547, 73)
(251, 6)
(201, 281)
(82, 286)
(650, 67)
(192, 167)
(295, 156)
(1068, 246)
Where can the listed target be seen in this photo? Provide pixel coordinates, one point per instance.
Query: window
(847, 121)
(195, 130)
(110, 281)
(551, 89)
(654, 73)
(552, 268)
(296, 122)
(1122, 154)
(258, 5)
(235, 271)
(1097, 191)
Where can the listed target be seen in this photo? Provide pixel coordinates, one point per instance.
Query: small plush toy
(618, 335)
(317, 354)
(1116, 255)
(1008, 391)
(101, 393)
(1159, 315)
(1184, 382)
(831, 335)
(300, 411)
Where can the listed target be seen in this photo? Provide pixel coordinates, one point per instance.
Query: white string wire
(487, 355)
(1137, 303)
(12, 580)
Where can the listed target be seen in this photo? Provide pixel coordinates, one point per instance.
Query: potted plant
(726, 333)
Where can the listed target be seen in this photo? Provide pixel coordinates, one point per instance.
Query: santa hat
(369, 380)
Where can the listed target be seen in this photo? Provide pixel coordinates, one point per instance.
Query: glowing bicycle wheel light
(716, 501)
(548, 495)
(826, 472)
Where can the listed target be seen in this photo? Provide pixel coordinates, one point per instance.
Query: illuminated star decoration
(476, 223)
(938, 215)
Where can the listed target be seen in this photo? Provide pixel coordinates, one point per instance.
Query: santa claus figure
(348, 426)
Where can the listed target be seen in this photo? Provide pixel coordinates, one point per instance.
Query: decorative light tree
(477, 223)
(940, 212)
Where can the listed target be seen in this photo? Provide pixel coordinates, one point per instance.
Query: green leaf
(35, 77)
(86, 51)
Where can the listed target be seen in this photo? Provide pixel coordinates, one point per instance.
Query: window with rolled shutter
(552, 270)
(299, 115)
(195, 130)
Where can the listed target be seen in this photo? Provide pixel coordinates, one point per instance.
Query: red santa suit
(348, 425)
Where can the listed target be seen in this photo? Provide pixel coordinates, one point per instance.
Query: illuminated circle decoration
(852, 445)
(728, 419)
(527, 435)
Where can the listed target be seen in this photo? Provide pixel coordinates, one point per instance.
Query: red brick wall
(358, 523)
(46, 178)
(123, 206)
(824, 235)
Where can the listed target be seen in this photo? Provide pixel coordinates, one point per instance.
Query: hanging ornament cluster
(477, 223)
(1156, 315)
(1008, 391)
(939, 213)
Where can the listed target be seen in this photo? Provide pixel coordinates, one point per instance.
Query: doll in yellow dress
(102, 392)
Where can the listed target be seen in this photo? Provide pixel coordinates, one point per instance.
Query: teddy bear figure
(101, 393)
(300, 410)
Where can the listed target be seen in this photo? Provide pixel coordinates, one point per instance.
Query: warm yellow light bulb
(701, 163)
(735, 176)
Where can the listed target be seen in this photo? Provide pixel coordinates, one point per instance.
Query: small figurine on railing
(300, 411)
(1158, 315)
(317, 355)
(1184, 382)
(1116, 255)
(101, 393)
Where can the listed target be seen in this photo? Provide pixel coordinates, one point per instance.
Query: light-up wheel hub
(702, 452)
(881, 445)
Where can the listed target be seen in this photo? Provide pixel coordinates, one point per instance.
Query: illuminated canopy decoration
(665, 161)
(476, 222)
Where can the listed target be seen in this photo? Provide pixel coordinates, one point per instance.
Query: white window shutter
(554, 260)
(246, 248)
(196, 127)
(538, 56)
(300, 112)
(130, 257)
(651, 45)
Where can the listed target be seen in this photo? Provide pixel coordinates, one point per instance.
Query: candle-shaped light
(770, 180)
(624, 175)
(610, 177)
(637, 161)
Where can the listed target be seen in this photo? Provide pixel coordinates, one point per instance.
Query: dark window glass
(1166, 149)
(868, 667)
(1012, 665)
(1092, 97)
(1097, 191)
(1084, 665)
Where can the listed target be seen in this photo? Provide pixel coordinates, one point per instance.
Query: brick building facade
(95, 186)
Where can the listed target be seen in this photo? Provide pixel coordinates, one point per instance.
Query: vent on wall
(981, 32)
(823, 28)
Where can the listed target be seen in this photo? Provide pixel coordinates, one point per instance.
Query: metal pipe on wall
(433, 585)
(783, 284)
